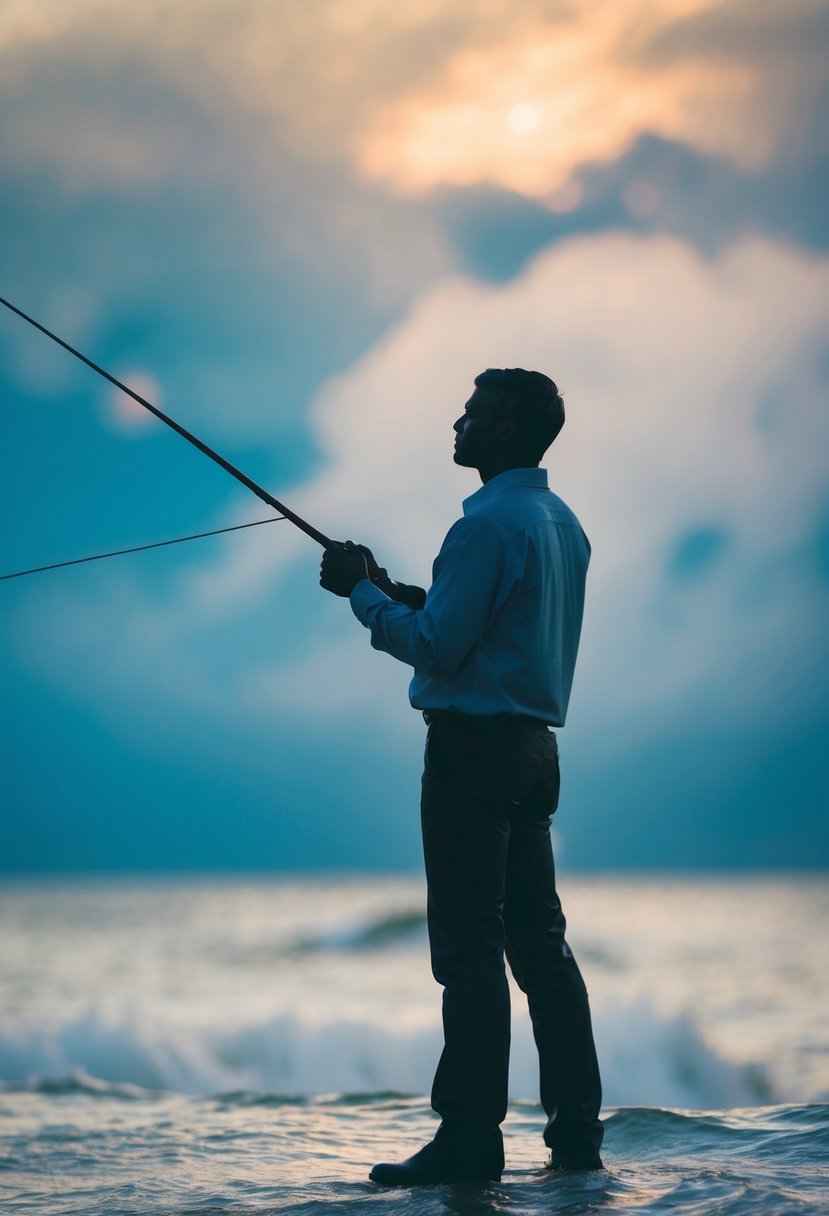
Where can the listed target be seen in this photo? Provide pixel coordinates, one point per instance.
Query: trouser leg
(465, 843)
(546, 970)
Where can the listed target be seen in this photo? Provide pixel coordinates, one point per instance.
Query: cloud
(588, 103)
(499, 92)
(212, 241)
(224, 186)
(525, 108)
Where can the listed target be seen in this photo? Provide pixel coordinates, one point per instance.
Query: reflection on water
(91, 1155)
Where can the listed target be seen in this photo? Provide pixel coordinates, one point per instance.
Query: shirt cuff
(365, 596)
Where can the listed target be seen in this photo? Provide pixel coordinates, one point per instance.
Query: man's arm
(403, 593)
(468, 588)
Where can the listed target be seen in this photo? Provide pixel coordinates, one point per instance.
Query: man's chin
(462, 460)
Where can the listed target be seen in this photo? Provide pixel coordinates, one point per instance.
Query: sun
(523, 118)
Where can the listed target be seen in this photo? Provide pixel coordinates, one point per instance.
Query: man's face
(480, 431)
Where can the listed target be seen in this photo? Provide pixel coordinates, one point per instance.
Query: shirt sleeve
(467, 589)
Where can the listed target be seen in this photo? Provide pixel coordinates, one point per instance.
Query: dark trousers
(490, 787)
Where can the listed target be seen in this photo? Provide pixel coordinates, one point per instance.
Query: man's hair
(532, 399)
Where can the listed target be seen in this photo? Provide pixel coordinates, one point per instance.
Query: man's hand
(374, 570)
(344, 566)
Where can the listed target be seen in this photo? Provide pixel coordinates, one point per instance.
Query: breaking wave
(647, 1060)
(373, 933)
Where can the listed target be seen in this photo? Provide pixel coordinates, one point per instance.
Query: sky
(303, 231)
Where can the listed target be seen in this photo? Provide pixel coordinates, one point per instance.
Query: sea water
(238, 1045)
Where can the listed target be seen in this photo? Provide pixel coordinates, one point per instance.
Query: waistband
(483, 721)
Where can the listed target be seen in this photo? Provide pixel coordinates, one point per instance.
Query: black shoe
(433, 1164)
(560, 1164)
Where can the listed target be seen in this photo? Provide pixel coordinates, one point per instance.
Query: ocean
(197, 1045)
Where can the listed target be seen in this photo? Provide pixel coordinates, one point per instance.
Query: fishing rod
(284, 511)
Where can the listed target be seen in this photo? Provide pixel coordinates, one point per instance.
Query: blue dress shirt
(499, 631)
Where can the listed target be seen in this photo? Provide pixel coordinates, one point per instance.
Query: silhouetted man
(493, 646)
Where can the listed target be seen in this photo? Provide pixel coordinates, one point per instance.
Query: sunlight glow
(592, 102)
(523, 119)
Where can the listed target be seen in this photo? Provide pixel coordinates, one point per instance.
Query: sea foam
(647, 1059)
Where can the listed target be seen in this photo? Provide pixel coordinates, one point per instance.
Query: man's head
(509, 421)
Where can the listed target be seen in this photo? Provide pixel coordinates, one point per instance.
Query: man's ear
(505, 429)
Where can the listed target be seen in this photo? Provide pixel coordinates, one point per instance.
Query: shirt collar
(535, 479)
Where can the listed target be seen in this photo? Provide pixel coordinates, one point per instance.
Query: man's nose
(458, 426)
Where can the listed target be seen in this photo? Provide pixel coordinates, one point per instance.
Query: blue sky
(303, 234)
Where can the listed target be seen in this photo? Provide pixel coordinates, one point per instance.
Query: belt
(482, 721)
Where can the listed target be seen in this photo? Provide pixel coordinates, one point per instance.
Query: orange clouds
(524, 113)
(514, 93)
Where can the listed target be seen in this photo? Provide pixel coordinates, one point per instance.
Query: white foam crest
(647, 1059)
(652, 1060)
(125, 1050)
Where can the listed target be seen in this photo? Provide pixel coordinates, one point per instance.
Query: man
(493, 646)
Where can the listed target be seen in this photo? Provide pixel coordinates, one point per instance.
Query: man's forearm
(403, 593)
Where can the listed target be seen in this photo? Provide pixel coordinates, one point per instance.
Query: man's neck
(487, 474)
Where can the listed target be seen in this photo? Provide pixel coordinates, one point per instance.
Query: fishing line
(159, 544)
(300, 523)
